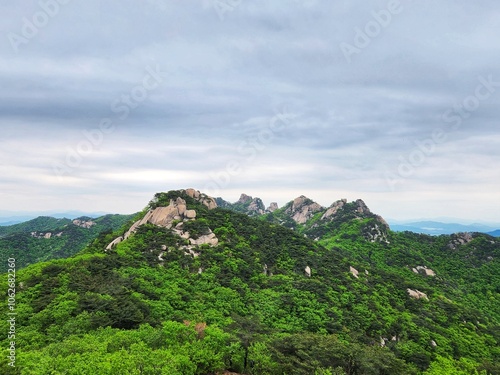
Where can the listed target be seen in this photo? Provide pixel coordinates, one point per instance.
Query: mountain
(495, 233)
(46, 238)
(41, 223)
(437, 228)
(247, 205)
(8, 218)
(190, 287)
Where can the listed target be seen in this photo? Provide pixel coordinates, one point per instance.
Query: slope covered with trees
(46, 238)
(328, 297)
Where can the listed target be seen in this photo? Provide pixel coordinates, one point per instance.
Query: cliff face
(302, 209)
(177, 211)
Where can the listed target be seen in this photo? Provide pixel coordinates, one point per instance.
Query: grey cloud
(224, 80)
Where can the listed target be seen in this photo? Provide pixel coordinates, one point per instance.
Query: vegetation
(46, 238)
(248, 305)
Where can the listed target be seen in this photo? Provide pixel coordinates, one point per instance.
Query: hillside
(192, 288)
(46, 238)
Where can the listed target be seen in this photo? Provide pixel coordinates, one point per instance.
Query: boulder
(192, 193)
(113, 243)
(307, 271)
(424, 270)
(210, 239)
(354, 272)
(417, 294)
(190, 214)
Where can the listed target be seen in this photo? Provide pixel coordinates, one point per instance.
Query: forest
(267, 299)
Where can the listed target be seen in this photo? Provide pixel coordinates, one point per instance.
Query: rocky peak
(272, 207)
(222, 203)
(164, 216)
(362, 208)
(201, 197)
(244, 199)
(333, 209)
(299, 202)
(256, 205)
(302, 209)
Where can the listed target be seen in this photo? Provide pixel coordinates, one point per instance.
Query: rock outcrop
(256, 206)
(460, 239)
(176, 210)
(45, 235)
(424, 271)
(417, 294)
(302, 209)
(307, 271)
(362, 208)
(376, 232)
(244, 199)
(202, 198)
(354, 272)
(245, 204)
(333, 209)
(208, 239)
(272, 207)
(84, 223)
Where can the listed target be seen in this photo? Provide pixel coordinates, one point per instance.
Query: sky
(105, 103)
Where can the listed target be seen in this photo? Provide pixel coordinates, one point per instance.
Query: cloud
(224, 80)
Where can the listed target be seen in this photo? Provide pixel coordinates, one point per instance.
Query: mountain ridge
(189, 287)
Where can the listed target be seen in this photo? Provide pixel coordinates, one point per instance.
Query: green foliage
(247, 305)
(47, 238)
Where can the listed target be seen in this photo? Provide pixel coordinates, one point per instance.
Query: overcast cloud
(104, 103)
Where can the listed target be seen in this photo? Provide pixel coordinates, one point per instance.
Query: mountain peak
(301, 209)
(362, 208)
(244, 199)
(272, 207)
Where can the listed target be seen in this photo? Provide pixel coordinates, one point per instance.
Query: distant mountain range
(437, 228)
(12, 218)
(495, 233)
